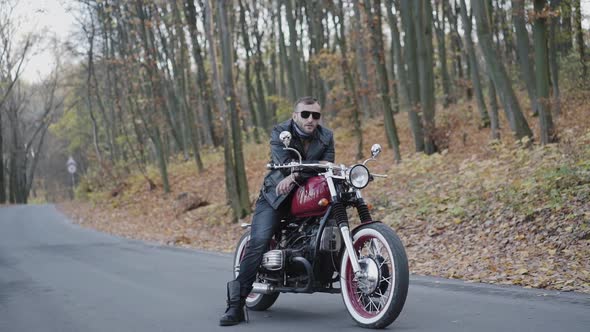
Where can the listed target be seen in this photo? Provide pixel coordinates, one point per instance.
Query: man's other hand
(285, 186)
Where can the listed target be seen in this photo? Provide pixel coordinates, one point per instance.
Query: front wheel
(375, 297)
(254, 301)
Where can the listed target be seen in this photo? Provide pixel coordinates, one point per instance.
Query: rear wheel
(254, 301)
(375, 298)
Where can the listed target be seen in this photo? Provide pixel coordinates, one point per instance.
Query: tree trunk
(254, 111)
(457, 70)
(495, 123)
(475, 79)
(422, 14)
(185, 73)
(547, 133)
(580, 37)
(412, 74)
(497, 70)
(440, 27)
(231, 184)
(298, 86)
(230, 97)
(360, 56)
(522, 48)
(564, 43)
(284, 61)
(506, 33)
(382, 81)
(346, 71)
(553, 64)
(154, 94)
(2, 176)
(203, 81)
(402, 80)
(89, 96)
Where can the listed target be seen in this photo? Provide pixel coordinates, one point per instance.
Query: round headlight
(358, 176)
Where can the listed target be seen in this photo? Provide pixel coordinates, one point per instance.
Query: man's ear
(293, 116)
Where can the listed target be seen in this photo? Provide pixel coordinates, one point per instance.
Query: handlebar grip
(277, 166)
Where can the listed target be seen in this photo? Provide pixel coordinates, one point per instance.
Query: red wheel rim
(353, 292)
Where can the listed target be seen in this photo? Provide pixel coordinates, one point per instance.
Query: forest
(163, 100)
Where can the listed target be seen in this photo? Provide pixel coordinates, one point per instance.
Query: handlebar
(317, 165)
(296, 164)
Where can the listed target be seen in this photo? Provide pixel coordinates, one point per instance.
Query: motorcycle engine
(301, 242)
(273, 260)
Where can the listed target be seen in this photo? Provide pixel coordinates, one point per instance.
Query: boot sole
(229, 323)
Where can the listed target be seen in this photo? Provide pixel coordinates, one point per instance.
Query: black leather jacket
(320, 148)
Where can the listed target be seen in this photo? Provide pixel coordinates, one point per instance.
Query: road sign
(72, 168)
(72, 165)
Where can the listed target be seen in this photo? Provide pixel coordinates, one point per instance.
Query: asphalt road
(56, 276)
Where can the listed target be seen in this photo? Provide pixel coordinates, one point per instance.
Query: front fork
(354, 261)
(342, 220)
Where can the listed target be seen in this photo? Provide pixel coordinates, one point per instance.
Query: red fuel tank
(306, 198)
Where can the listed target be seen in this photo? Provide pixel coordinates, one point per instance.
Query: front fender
(354, 230)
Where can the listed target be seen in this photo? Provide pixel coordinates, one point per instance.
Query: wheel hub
(368, 279)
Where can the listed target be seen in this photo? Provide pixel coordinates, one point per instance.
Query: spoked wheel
(375, 297)
(254, 301)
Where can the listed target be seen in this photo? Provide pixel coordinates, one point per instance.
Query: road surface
(58, 276)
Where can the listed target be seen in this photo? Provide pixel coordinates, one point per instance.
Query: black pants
(264, 223)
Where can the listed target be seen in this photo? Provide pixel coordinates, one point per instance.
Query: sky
(52, 17)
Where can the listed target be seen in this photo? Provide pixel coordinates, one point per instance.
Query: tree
(547, 133)
(422, 15)
(475, 79)
(12, 58)
(202, 77)
(580, 37)
(231, 150)
(522, 50)
(360, 56)
(413, 89)
(440, 27)
(498, 72)
(378, 52)
(230, 98)
(347, 72)
(396, 49)
(295, 73)
(553, 64)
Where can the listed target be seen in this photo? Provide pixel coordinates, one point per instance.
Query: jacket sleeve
(329, 154)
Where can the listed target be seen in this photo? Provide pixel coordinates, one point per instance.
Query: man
(316, 144)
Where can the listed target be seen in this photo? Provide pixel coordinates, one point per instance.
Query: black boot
(234, 314)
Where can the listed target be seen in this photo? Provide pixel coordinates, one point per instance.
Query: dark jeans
(264, 223)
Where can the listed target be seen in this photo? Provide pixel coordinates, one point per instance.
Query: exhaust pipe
(261, 288)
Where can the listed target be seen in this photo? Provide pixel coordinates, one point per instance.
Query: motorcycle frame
(343, 225)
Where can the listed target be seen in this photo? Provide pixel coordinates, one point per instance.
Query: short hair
(306, 100)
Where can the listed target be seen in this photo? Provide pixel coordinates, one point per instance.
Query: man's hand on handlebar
(285, 186)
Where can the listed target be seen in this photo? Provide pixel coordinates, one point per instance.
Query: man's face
(307, 124)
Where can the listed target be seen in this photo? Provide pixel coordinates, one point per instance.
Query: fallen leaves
(493, 213)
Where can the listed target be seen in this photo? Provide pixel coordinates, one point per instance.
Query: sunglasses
(306, 114)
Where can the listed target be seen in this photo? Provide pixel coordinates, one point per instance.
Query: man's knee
(258, 243)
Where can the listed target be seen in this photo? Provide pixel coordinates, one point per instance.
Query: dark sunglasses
(315, 115)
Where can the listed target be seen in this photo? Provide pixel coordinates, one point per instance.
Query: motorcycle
(314, 249)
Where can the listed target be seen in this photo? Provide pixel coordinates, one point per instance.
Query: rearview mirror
(375, 150)
(285, 137)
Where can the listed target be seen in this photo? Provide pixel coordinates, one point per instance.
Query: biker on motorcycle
(315, 143)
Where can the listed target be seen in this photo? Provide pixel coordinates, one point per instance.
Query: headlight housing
(358, 176)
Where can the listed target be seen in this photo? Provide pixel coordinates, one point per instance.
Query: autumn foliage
(506, 212)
